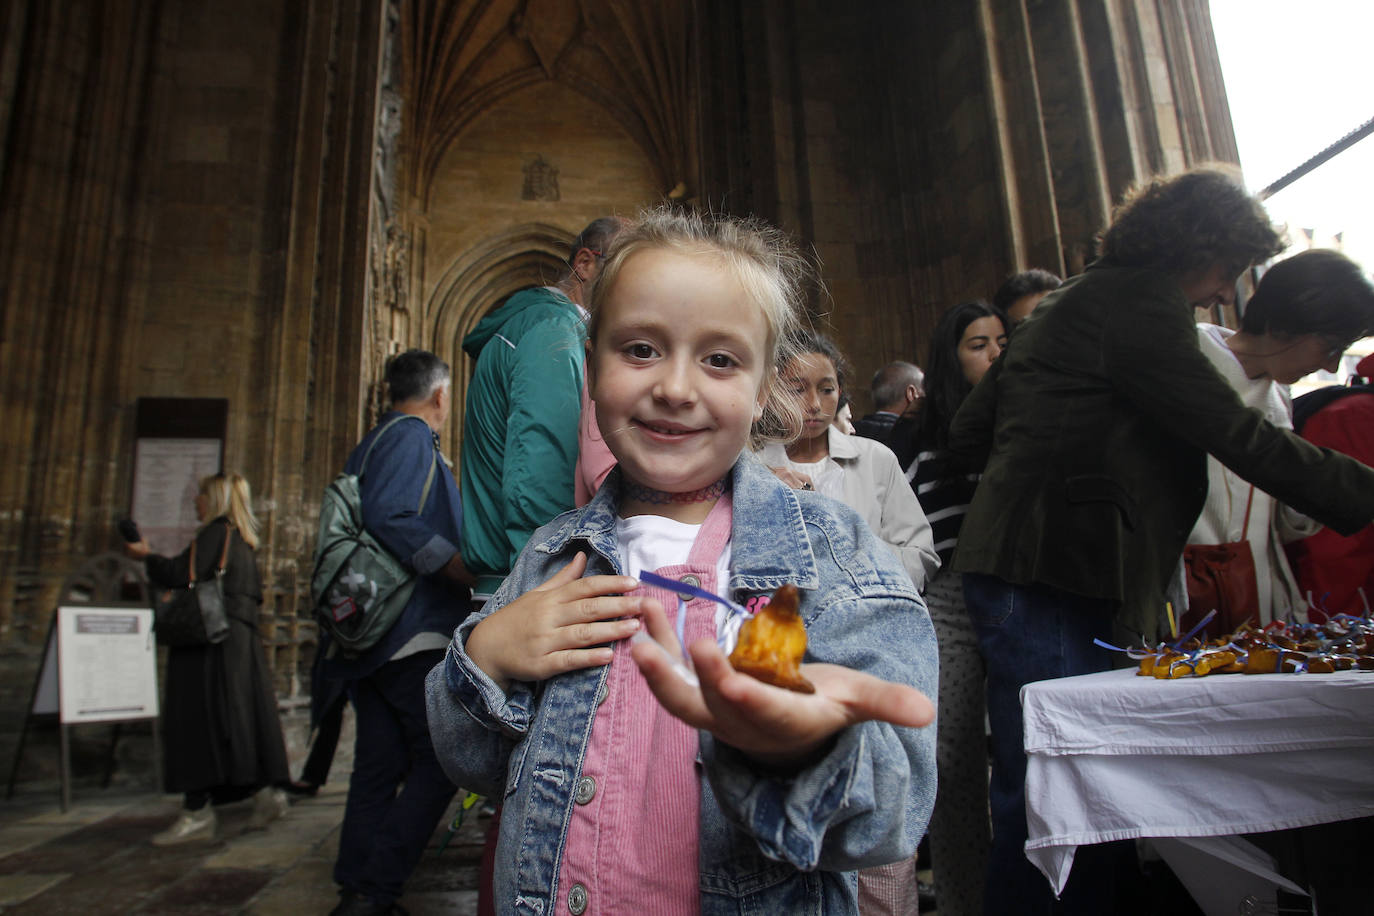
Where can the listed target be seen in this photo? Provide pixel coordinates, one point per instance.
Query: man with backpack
(398, 792)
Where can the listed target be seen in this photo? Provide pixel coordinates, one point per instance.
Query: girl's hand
(793, 479)
(137, 550)
(556, 627)
(774, 726)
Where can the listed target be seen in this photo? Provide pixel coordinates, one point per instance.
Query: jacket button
(577, 900)
(586, 790)
(601, 692)
(690, 580)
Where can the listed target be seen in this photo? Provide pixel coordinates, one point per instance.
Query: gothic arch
(479, 279)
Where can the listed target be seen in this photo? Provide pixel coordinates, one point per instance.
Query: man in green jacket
(1092, 432)
(520, 430)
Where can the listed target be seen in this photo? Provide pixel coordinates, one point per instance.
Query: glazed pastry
(772, 643)
(1341, 644)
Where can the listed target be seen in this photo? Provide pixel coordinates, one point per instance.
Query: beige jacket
(864, 475)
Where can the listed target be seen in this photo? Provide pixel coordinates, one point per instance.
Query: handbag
(194, 615)
(1221, 577)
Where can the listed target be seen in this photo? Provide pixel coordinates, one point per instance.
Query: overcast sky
(1299, 76)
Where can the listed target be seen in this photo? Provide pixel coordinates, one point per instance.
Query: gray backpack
(358, 587)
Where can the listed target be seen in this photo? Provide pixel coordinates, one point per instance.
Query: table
(1113, 756)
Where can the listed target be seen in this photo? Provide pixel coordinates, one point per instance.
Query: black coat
(219, 717)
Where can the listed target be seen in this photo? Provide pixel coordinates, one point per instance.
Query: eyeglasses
(1335, 346)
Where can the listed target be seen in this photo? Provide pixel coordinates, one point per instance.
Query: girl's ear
(589, 369)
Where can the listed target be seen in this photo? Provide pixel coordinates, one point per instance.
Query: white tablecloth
(1114, 756)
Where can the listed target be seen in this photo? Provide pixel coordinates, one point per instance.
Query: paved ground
(96, 859)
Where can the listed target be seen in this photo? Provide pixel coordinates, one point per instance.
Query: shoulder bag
(1222, 577)
(194, 615)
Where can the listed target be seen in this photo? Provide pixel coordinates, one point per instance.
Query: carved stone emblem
(541, 180)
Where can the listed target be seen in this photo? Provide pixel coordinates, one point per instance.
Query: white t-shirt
(651, 542)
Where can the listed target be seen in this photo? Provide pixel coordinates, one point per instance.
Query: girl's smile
(677, 371)
(668, 431)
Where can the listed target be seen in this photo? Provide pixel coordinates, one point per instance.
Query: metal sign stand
(104, 581)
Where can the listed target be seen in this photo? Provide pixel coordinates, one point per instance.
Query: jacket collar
(768, 536)
(842, 446)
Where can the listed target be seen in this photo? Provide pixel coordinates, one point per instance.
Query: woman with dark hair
(859, 472)
(967, 341)
(223, 737)
(1091, 433)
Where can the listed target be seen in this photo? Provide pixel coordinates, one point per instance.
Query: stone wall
(180, 207)
(216, 199)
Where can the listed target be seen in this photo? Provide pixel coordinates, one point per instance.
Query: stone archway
(484, 276)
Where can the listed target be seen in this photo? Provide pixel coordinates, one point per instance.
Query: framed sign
(177, 442)
(106, 665)
(167, 475)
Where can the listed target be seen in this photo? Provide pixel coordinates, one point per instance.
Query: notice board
(106, 664)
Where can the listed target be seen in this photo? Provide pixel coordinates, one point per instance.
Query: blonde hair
(760, 257)
(229, 495)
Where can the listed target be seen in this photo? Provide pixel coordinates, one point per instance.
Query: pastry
(772, 643)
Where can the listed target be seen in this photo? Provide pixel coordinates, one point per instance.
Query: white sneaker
(268, 805)
(191, 827)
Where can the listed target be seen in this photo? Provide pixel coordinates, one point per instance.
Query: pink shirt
(632, 839)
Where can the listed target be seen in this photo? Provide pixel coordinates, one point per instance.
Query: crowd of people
(1045, 481)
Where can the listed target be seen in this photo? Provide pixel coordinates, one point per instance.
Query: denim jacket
(770, 842)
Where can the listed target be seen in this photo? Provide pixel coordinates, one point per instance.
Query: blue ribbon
(682, 589)
(1189, 635)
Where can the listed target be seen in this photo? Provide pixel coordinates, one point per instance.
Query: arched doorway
(482, 278)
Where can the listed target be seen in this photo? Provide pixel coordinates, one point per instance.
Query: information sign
(106, 664)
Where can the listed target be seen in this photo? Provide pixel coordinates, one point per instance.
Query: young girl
(630, 785)
(861, 473)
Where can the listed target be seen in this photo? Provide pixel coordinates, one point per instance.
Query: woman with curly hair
(1091, 432)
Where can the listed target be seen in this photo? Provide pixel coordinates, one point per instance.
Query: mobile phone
(128, 530)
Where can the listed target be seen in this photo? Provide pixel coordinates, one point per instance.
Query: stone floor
(96, 859)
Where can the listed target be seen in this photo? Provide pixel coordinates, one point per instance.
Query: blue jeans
(1032, 633)
(398, 792)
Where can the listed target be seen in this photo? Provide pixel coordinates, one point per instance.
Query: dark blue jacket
(390, 490)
